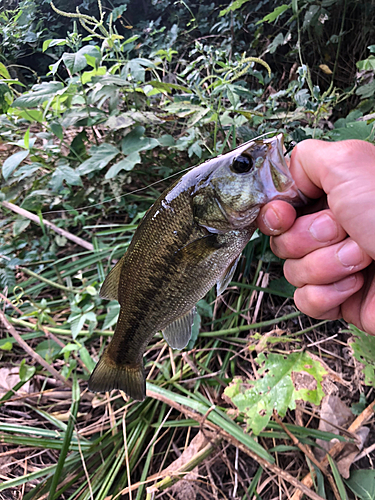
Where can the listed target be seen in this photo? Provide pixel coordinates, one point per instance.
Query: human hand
(330, 254)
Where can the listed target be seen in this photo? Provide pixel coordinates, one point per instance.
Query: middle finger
(327, 265)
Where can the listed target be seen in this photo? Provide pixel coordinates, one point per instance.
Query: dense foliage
(102, 103)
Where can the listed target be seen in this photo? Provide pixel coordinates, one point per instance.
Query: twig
(47, 332)
(58, 230)
(309, 455)
(337, 447)
(228, 437)
(30, 351)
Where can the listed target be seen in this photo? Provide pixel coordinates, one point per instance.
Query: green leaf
(367, 64)
(194, 331)
(237, 4)
(87, 76)
(52, 43)
(7, 346)
(127, 164)
(65, 173)
(4, 72)
(367, 90)
(275, 390)
(282, 285)
(362, 483)
(86, 358)
(232, 95)
(311, 16)
(39, 94)
(20, 225)
(48, 349)
(364, 351)
(337, 477)
(57, 129)
(123, 120)
(77, 62)
(11, 163)
(168, 87)
(272, 16)
(355, 130)
(26, 372)
(135, 141)
(26, 139)
(131, 39)
(113, 311)
(100, 157)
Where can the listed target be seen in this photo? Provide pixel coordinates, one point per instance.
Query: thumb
(345, 171)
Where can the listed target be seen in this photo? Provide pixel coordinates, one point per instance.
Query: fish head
(247, 178)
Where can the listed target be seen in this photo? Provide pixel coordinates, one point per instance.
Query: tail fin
(108, 375)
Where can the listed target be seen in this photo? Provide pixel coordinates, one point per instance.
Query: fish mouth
(276, 178)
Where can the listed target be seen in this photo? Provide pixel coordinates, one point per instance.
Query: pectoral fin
(227, 276)
(178, 333)
(109, 289)
(199, 249)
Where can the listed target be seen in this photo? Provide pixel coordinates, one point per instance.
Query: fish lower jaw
(245, 219)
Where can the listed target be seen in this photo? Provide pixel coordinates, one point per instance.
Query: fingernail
(323, 228)
(346, 284)
(350, 254)
(271, 219)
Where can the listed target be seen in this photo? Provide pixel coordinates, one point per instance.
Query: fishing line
(115, 198)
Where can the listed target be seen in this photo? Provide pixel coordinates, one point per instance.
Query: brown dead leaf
(184, 489)
(335, 414)
(9, 377)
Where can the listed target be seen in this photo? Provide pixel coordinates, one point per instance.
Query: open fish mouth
(276, 178)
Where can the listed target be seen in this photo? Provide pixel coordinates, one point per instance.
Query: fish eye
(242, 165)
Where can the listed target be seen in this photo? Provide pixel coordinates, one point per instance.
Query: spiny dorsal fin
(178, 333)
(227, 276)
(109, 289)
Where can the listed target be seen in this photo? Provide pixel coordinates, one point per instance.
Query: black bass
(188, 241)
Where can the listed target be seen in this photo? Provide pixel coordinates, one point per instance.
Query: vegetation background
(102, 105)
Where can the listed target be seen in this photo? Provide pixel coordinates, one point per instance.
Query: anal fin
(178, 333)
(227, 276)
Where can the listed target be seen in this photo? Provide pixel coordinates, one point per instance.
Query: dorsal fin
(109, 289)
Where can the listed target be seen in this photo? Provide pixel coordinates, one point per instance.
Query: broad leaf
(113, 311)
(276, 390)
(52, 43)
(168, 87)
(100, 157)
(135, 141)
(4, 72)
(127, 163)
(11, 163)
(65, 173)
(362, 483)
(20, 225)
(272, 16)
(355, 130)
(77, 62)
(39, 94)
(364, 351)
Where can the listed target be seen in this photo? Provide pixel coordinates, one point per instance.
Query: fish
(188, 241)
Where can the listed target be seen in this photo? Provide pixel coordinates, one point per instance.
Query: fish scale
(188, 241)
